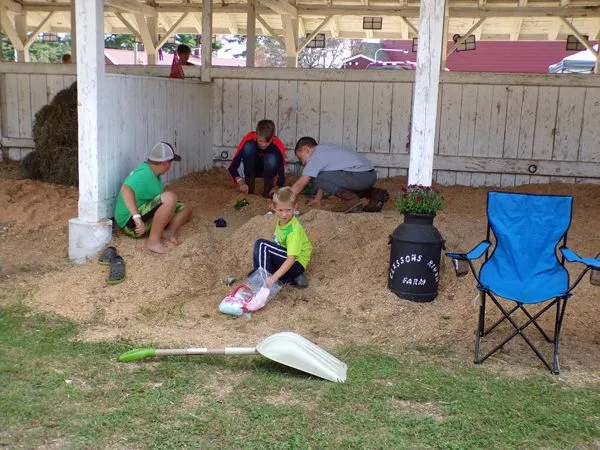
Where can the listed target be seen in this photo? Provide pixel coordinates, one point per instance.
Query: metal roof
(504, 20)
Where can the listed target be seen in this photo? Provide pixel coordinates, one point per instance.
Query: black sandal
(117, 270)
(107, 256)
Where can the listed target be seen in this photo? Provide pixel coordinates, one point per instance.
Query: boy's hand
(269, 281)
(140, 227)
(243, 187)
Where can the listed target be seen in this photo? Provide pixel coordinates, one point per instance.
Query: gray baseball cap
(163, 152)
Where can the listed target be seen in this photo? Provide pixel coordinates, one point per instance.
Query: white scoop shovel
(286, 348)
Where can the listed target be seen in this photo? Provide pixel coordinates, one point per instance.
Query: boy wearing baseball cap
(143, 206)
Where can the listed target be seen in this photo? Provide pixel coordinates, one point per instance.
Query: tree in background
(39, 51)
(271, 53)
(119, 41)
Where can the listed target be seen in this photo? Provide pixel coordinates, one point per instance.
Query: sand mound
(172, 299)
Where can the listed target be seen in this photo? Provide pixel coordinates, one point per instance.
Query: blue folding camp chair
(524, 266)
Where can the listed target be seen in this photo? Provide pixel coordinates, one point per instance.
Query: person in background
(66, 58)
(341, 172)
(143, 207)
(263, 155)
(287, 258)
(184, 52)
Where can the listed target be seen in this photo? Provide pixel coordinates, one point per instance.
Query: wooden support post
(290, 41)
(73, 33)
(251, 34)
(425, 97)
(206, 40)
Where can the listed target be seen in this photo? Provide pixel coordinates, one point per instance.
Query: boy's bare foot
(170, 238)
(157, 247)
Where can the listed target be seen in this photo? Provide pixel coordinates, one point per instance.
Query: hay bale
(30, 166)
(55, 137)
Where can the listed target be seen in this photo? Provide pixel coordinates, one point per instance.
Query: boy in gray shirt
(341, 172)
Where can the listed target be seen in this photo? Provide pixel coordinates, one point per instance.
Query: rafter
(197, 19)
(314, 33)
(269, 30)
(334, 27)
(170, 31)
(514, 35)
(128, 25)
(233, 28)
(131, 6)
(44, 25)
(465, 36)
(581, 38)
(11, 32)
(12, 6)
(281, 7)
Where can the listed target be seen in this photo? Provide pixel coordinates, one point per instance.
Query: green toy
(241, 203)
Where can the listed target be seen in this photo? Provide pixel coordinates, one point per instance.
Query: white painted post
(73, 33)
(89, 232)
(251, 34)
(425, 97)
(206, 46)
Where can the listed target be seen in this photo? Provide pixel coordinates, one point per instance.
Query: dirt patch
(171, 300)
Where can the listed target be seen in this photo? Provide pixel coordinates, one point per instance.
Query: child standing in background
(287, 258)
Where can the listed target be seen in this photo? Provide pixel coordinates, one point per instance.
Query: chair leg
(480, 327)
(561, 306)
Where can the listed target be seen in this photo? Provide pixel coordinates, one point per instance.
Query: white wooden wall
(21, 96)
(141, 110)
(493, 128)
(145, 110)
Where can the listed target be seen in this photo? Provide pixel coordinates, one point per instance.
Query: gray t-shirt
(331, 157)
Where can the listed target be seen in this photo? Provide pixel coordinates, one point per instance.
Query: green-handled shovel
(286, 348)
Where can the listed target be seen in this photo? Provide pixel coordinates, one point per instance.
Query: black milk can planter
(415, 252)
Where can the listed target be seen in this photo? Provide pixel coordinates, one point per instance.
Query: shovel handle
(207, 351)
(139, 354)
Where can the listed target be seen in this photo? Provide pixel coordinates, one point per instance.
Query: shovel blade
(295, 351)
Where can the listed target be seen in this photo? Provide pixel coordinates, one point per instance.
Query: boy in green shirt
(287, 258)
(143, 206)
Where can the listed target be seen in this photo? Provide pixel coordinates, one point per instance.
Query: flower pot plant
(417, 199)
(416, 245)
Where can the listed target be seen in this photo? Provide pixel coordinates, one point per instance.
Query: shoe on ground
(117, 270)
(107, 256)
(376, 200)
(301, 281)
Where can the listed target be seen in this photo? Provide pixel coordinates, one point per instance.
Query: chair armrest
(571, 256)
(475, 253)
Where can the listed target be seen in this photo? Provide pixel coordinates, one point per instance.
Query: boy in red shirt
(263, 156)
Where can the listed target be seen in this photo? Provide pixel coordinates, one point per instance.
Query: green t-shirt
(144, 184)
(293, 237)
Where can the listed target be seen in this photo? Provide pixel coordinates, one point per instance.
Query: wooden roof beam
(10, 30)
(197, 19)
(170, 31)
(313, 34)
(269, 30)
(334, 27)
(44, 25)
(514, 35)
(465, 36)
(281, 7)
(232, 26)
(128, 25)
(131, 6)
(581, 38)
(12, 6)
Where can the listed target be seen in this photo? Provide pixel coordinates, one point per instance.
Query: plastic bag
(249, 296)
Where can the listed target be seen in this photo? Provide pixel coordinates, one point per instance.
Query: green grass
(60, 392)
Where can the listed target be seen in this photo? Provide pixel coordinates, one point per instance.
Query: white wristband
(240, 180)
(137, 216)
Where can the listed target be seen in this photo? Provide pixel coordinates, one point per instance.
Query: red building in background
(489, 56)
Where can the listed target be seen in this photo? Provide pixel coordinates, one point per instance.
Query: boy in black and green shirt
(287, 258)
